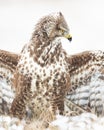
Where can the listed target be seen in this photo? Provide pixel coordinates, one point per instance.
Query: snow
(85, 121)
(8, 123)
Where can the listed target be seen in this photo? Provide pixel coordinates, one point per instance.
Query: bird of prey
(43, 75)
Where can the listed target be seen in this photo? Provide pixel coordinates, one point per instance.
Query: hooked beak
(69, 37)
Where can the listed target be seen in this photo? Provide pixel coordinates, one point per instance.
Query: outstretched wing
(87, 80)
(8, 63)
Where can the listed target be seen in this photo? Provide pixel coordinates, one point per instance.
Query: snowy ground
(85, 121)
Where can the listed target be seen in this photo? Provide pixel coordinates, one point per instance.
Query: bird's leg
(57, 104)
(18, 108)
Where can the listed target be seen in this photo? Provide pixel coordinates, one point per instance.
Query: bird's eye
(61, 31)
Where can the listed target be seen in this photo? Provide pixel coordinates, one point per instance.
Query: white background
(84, 17)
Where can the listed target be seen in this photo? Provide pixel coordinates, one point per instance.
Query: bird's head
(54, 25)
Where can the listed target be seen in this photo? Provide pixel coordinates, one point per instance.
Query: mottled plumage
(8, 63)
(42, 74)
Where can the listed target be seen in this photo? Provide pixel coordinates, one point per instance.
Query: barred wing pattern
(88, 86)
